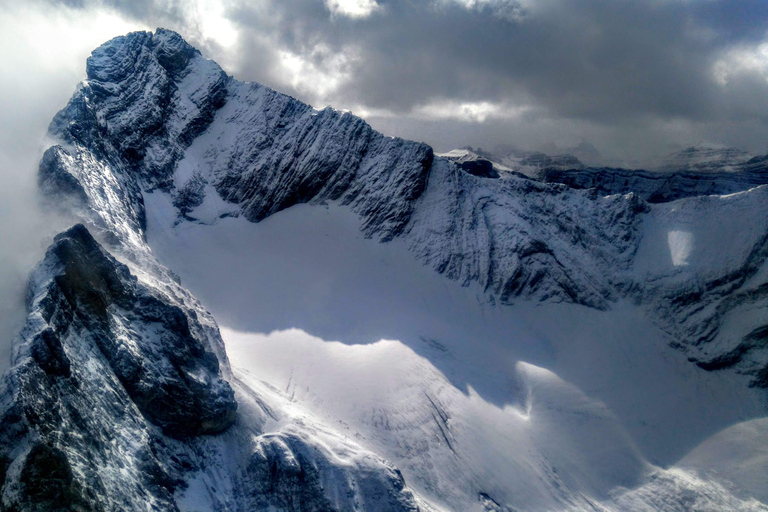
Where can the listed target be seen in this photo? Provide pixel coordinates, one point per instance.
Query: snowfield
(538, 406)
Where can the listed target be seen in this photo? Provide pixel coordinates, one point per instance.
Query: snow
(389, 399)
(363, 335)
(680, 246)
(738, 455)
(706, 234)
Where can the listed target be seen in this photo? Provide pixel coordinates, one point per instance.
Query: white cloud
(317, 75)
(210, 15)
(352, 8)
(472, 112)
(510, 10)
(742, 61)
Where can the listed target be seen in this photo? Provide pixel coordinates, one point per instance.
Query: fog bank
(43, 59)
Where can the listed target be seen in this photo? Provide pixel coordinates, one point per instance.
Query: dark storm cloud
(594, 59)
(600, 66)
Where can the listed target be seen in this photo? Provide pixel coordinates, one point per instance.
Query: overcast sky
(633, 78)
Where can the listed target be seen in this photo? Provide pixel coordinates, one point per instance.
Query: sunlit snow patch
(680, 247)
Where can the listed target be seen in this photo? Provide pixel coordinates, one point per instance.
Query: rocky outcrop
(104, 370)
(288, 474)
(116, 401)
(658, 187)
(158, 352)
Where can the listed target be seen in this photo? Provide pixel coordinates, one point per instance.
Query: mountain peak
(160, 146)
(119, 57)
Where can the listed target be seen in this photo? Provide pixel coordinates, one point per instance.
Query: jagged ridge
(112, 388)
(154, 114)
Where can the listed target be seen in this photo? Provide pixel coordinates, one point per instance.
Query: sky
(634, 79)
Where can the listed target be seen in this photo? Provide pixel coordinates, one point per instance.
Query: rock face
(101, 361)
(491, 232)
(114, 396)
(660, 187)
(169, 372)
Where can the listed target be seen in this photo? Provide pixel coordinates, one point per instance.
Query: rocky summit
(571, 285)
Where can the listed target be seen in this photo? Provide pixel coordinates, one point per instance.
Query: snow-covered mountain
(695, 171)
(704, 158)
(528, 163)
(407, 331)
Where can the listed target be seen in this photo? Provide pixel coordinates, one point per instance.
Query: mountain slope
(309, 268)
(115, 394)
(500, 407)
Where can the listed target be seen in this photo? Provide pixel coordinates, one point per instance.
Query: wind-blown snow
(680, 246)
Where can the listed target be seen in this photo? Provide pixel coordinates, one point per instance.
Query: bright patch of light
(742, 61)
(510, 10)
(38, 40)
(680, 247)
(471, 112)
(352, 8)
(319, 73)
(214, 24)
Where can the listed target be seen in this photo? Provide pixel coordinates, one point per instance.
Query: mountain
(406, 331)
(527, 163)
(703, 158)
(695, 171)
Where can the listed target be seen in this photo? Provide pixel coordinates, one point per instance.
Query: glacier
(399, 330)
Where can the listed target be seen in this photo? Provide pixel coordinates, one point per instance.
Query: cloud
(352, 8)
(623, 66)
(698, 68)
(472, 112)
(42, 59)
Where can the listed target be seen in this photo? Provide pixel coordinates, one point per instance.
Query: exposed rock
(115, 396)
(171, 375)
(658, 187)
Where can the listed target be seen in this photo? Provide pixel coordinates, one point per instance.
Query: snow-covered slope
(115, 395)
(311, 269)
(550, 347)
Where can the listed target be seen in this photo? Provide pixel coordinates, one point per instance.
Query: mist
(43, 59)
